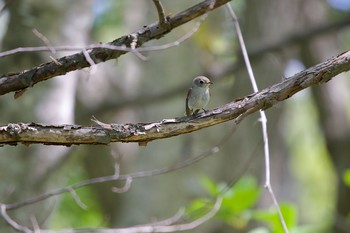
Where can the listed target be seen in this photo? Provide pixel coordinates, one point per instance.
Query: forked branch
(17, 82)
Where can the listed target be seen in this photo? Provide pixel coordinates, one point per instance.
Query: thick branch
(306, 34)
(19, 81)
(144, 132)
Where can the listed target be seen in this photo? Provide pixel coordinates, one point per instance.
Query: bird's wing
(188, 110)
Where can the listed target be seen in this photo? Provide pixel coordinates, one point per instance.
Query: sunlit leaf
(270, 217)
(346, 177)
(237, 200)
(198, 208)
(210, 186)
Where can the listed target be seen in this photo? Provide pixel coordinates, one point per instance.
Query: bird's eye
(201, 82)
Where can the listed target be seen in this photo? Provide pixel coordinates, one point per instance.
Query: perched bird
(198, 96)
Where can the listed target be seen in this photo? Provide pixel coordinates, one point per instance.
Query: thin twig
(55, 60)
(11, 222)
(184, 37)
(160, 11)
(90, 61)
(170, 221)
(88, 58)
(77, 199)
(163, 226)
(116, 177)
(125, 188)
(262, 118)
(35, 224)
(133, 46)
(110, 46)
(150, 227)
(45, 40)
(116, 157)
(147, 228)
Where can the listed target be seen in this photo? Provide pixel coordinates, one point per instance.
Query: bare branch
(163, 226)
(152, 98)
(11, 222)
(150, 227)
(157, 227)
(125, 188)
(18, 81)
(45, 40)
(35, 224)
(88, 58)
(30, 133)
(263, 118)
(161, 15)
(77, 198)
(128, 177)
(172, 220)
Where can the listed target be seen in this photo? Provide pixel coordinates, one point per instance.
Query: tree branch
(19, 81)
(161, 14)
(152, 98)
(30, 133)
(161, 227)
(128, 178)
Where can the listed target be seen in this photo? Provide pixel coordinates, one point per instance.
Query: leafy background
(309, 133)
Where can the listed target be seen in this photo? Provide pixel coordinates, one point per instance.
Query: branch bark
(255, 53)
(30, 133)
(17, 82)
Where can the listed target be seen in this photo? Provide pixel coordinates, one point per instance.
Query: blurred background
(309, 133)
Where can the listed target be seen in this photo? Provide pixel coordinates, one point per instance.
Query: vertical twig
(263, 118)
(160, 11)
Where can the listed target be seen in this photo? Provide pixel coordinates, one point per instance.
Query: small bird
(198, 96)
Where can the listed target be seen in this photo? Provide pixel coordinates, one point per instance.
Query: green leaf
(237, 201)
(346, 177)
(209, 185)
(242, 196)
(271, 217)
(198, 208)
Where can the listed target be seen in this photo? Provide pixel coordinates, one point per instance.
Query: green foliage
(70, 214)
(346, 177)
(198, 208)
(237, 208)
(237, 201)
(270, 217)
